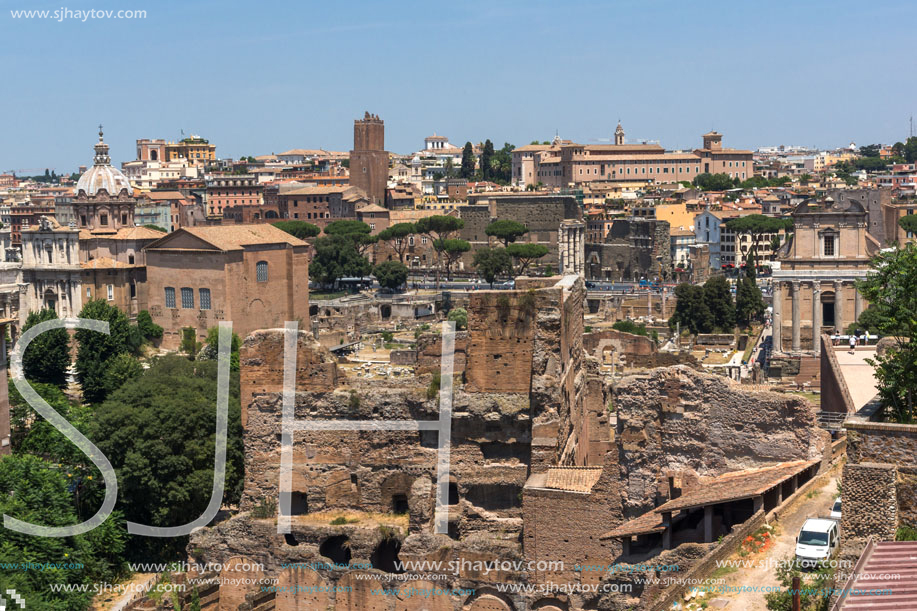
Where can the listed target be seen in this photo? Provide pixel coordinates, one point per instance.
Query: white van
(817, 541)
(836, 509)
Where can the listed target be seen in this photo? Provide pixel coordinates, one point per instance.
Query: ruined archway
(385, 556)
(490, 602)
(336, 549)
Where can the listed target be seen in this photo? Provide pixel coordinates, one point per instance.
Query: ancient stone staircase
(809, 372)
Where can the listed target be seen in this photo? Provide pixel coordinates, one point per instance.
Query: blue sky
(262, 77)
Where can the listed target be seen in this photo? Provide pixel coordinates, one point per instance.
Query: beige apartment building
(564, 163)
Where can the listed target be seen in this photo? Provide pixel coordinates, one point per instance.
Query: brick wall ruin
(681, 423)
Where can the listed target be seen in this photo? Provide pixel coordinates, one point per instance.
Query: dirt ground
(819, 505)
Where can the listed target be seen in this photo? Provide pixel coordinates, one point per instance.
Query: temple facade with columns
(815, 287)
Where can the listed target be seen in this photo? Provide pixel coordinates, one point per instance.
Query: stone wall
(870, 507)
(835, 396)
(894, 445)
(684, 423)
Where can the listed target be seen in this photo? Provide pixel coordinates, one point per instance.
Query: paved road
(783, 548)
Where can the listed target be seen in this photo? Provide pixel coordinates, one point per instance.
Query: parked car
(836, 509)
(817, 541)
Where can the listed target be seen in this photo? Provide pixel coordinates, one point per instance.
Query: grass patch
(811, 494)
(722, 571)
(325, 295)
(340, 520)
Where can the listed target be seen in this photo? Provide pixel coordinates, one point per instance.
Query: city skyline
(253, 84)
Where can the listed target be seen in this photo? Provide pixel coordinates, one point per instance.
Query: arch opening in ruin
(385, 556)
(336, 549)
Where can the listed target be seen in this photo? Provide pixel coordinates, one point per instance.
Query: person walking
(853, 343)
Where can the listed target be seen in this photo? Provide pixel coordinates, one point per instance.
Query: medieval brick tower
(368, 159)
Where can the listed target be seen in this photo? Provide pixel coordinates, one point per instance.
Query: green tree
(347, 227)
(156, 228)
(908, 222)
(502, 164)
(211, 349)
(691, 309)
(491, 263)
(39, 492)
(467, 170)
(629, 326)
(148, 329)
(749, 303)
(460, 317)
(298, 229)
(439, 228)
(713, 182)
(97, 349)
(337, 257)
(910, 149)
(487, 155)
(871, 150)
(397, 237)
(48, 356)
(120, 369)
(159, 433)
(891, 290)
(525, 254)
(451, 250)
(815, 587)
(391, 274)
(756, 225)
(506, 231)
(718, 297)
(189, 344)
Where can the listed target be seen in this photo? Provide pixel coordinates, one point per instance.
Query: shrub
(148, 329)
(267, 508)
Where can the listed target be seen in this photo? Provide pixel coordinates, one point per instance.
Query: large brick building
(256, 276)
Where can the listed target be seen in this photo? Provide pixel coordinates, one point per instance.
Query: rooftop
(888, 567)
(733, 486)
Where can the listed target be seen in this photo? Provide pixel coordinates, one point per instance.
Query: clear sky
(263, 77)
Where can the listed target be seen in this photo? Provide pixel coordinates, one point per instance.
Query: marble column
(839, 305)
(796, 306)
(777, 322)
(816, 317)
(858, 304)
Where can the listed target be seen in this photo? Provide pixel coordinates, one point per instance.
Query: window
(103, 219)
(130, 259)
(170, 297)
(205, 299)
(111, 292)
(261, 271)
(187, 298)
(88, 293)
(829, 245)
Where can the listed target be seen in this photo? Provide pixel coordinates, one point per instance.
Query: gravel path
(763, 573)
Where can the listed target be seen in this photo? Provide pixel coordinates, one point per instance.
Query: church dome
(102, 175)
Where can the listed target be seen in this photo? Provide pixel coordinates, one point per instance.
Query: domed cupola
(102, 176)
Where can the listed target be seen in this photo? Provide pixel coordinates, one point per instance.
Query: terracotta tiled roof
(105, 263)
(575, 479)
(734, 486)
(650, 522)
(125, 233)
(372, 208)
(236, 237)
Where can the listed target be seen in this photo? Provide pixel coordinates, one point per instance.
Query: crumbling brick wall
(680, 420)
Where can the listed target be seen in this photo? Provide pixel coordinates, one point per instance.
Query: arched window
(170, 297)
(261, 271)
(187, 298)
